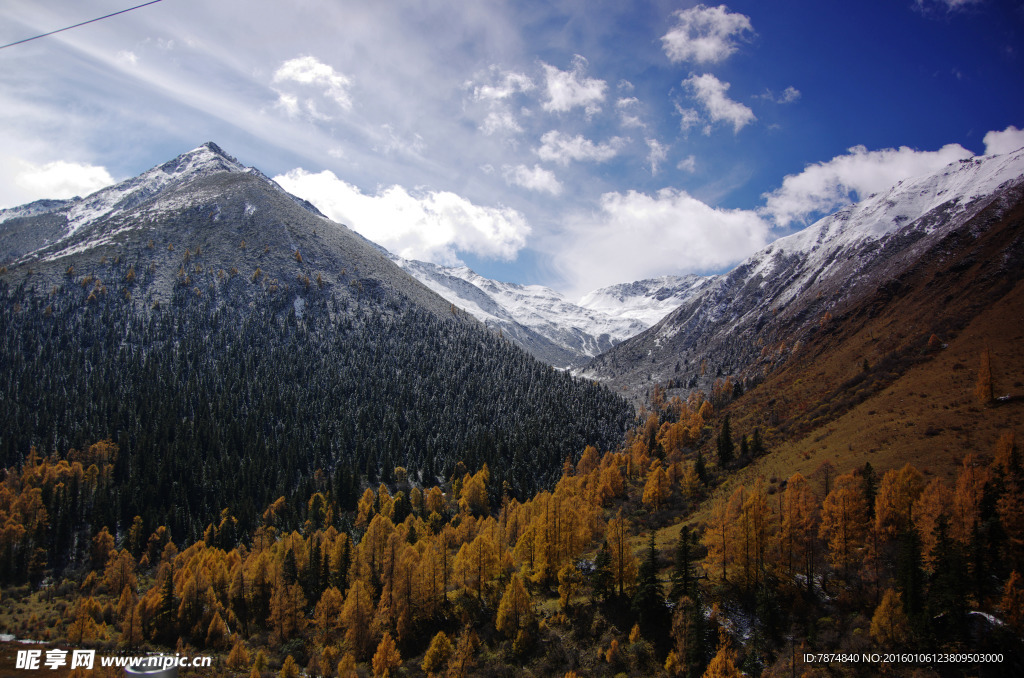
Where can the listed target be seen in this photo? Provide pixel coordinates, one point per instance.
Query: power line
(90, 21)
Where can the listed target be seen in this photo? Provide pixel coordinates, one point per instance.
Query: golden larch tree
(890, 626)
(436, 657)
(624, 563)
(656, 489)
(516, 609)
(357, 616)
(801, 519)
(386, 660)
(844, 516)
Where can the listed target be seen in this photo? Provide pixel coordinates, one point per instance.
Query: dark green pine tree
(312, 584)
(682, 571)
(726, 446)
(167, 613)
(909, 575)
(700, 468)
(947, 586)
(603, 581)
(339, 577)
(757, 444)
(649, 600)
(869, 480)
(289, 568)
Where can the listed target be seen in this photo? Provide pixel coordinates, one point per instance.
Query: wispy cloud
(788, 95)
(497, 84)
(705, 34)
(656, 154)
(562, 149)
(500, 121)
(627, 117)
(948, 5)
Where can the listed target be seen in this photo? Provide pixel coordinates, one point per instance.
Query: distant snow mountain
(544, 322)
(757, 315)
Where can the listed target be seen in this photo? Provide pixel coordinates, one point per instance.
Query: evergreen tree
(682, 571)
(649, 599)
(726, 446)
(869, 480)
(947, 586)
(700, 468)
(757, 444)
(909, 575)
(602, 578)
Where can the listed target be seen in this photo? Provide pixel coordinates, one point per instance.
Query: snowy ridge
(205, 160)
(836, 263)
(79, 224)
(646, 301)
(34, 209)
(824, 247)
(545, 322)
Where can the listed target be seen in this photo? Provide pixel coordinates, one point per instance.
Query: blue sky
(574, 144)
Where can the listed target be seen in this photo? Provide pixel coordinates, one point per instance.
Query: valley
(233, 426)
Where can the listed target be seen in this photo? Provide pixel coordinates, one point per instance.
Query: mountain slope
(239, 347)
(544, 322)
(753, 319)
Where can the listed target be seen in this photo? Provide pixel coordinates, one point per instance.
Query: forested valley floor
(605, 574)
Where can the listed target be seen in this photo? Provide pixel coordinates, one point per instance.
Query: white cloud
(128, 57)
(23, 181)
(569, 89)
(536, 179)
(688, 117)
(494, 89)
(826, 186)
(705, 34)
(500, 121)
(429, 225)
(657, 152)
(788, 96)
(949, 5)
(625, 107)
(310, 72)
(711, 93)
(500, 85)
(637, 236)
(389, 142)
(688, 164)
(561, 148)
(1007, 141)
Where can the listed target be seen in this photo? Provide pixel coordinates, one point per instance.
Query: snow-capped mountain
(204, 223)
(755, 316)
(152, 193)
(646, 301)
(544, 322)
